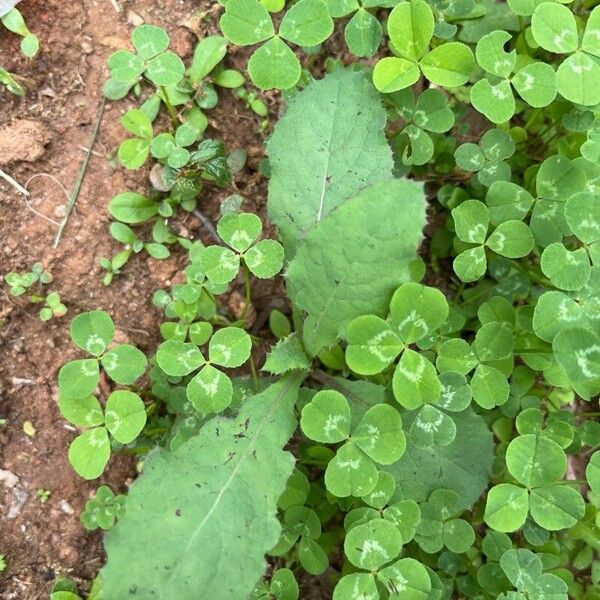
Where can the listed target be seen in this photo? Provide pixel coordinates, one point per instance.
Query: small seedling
(43, 495)
(103, 510)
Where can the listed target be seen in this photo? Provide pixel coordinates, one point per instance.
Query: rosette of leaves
(554, 28)
(274, 64)
(363, 31)
(410, 28)
(210, 390)
(151, 60)
(378, 438)
(492, 96)
(429, 114)
(103, 510)
(488, 157)
(240, 232)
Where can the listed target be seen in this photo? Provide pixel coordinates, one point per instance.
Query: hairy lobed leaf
(375, 236)
(207, 510)
(329, 145)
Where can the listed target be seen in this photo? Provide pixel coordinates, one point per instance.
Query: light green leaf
(287, 355)
(221, 265)
(209, 52)
(314, 170)
(512, 239)
(456, 392)
(306, 23)
(383, 491)
(166, 69)
(239, 231)
(331, 286)
(89, 452)
(350, 473)
(578, 79)
(535, 460)
(78, 378)
(432, 426)
(137, 122)
(554, 28)
(379, 434)
(246, 22)
(410, 27)
(124, 415)
(372, 345)
(326, 418)
(93, 331)
(489, 387)
(456, 355)
(83, 412)
(536, 84)
(392, 74)
(406, 579)
(554, 312)
(124, 363)
(133, 152)
(469, 157)
(592, 472)
(416, 311)
(363, 34)
(448, 65)
(496, 102)
(582, 212)
(506, 507)
(566, 269)
(470, 265)
(492, 57)
(556, 507)
(229, 347)
(355, 585)
(265, 259)
(373, 544)
(274, 65)
(415, 381)
(471, 221)
(130, 207)
(507, 201)
(591, 35)
(178, 358)
(210, 391)
(149, 40)
(232, 471)
(125, 67)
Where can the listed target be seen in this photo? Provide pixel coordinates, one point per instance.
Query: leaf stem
(169, 106)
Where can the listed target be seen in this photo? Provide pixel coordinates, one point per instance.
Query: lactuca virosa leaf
(329, 145)
(377, 235)
(208, 508)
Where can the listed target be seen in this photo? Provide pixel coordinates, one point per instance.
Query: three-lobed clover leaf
(410, 28)
(240, 231)
(274, 64)
(173, 148)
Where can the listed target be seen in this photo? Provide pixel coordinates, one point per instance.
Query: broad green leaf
(577, 351)
(507, 201)
(314, 170)
(458, 535)
(210, 391)
(489, 387)
(350, 473)
(326, 418)
(312, 557)
(137, 122)
(246, 22)
(89, 452)
(149, 40)
(535, 460)
(331, 287)
(506, 507)
(556, 507)
(512, 239)
(554, 312)
(471, 221)
(492, 57)
(363, 34)
(554, 28)
(566, 269)
(83, 412)
(373, 544)
(287, 355)
(392, 74)
(232, 472)
(463, 466)
(124, 363)
(229, 347)
(582, 212)
(274, 65)
(209, 52)
(125, 67)
(93, 331)
(221, 265)
(133, 152)
(200, 332)
(185, 135)
(372, 345)
(265, 259)
(578, 79)
(536, 84)
(415, 381)
(130, 207)
(177, 358)
(433, 112)
(406, 579)
(592, 472)
(469, 157)
(406, 516)
(124, 415)
(78, 378)
(410, 27)
(355, 585)
(306, 23)
(456, 393)
(496, 102)
(166, 69)
(591, 38)
(239, 231)
(341, 8)
(456, 355)
(383, 491)
(470, 265)
(432, 426)
(448, 65)
(379, 434)
(416, 311)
